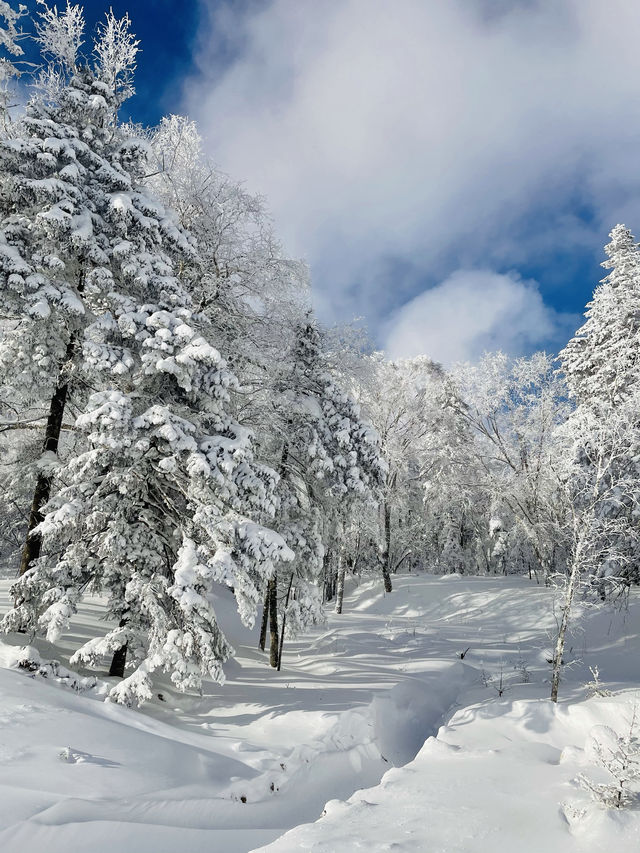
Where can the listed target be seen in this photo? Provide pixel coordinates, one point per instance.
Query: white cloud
(437, 135)
(473, 312)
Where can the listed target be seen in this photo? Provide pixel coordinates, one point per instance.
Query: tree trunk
(386, 558)
(33, 541)
(340, 586)
(265, 619)
(284, 622)
(118, 662)
(270, 613)
(562, 631)
(119, 656)
(273, 621)
(329, 576)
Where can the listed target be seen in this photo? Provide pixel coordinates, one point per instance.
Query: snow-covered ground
(236, 768)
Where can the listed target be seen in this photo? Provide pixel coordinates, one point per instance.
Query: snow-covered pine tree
(255, 297)
(162, 503)
(12, 517)
(157, 511)
(62, 170)
(602, 360)
(602, 368)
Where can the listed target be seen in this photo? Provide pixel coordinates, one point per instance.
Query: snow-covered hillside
(457, 662)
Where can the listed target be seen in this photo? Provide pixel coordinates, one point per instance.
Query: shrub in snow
(522, 668)
(619, 755)
(52, 669)
(594, 687)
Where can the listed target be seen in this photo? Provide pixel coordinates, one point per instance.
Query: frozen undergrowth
(234, 769)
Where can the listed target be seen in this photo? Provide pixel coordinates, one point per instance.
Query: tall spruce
(602, 368)
(166, 500)
(62, 170)
(602, 360)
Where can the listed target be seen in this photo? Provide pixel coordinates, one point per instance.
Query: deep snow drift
(234, 769)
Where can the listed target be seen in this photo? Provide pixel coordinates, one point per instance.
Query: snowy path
(236, 768)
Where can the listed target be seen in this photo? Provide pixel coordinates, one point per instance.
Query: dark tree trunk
(118, 662)
(119, 656)
(329, 576)
(386, 559)
(284, 622)
(33, 541)
(265, 619)
(273, 621)
(271, 599)
(341, 573)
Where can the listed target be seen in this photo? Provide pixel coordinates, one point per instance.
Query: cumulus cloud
(473, 312)
(399, 141)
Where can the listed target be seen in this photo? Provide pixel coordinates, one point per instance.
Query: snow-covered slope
(234, 769)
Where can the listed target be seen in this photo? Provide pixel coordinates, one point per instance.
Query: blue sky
(168, 32)
(449, 170)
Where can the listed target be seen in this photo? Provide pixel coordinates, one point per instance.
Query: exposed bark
(33, 542)
(386, 557)
(356, 554)
(562, 630)
(265, 620)
(340, 586)
(273, 620)
(329, 576)
(119, 656)
(270, 613)
(284, 622)
(118, 662)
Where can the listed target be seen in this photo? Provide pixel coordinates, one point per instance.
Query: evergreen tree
(167, 499)
(602, 368)
(602, 361)
(65, 174)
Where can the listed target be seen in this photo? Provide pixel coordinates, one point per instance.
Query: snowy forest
(182, 440)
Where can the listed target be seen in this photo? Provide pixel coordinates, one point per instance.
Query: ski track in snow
(236, 768)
